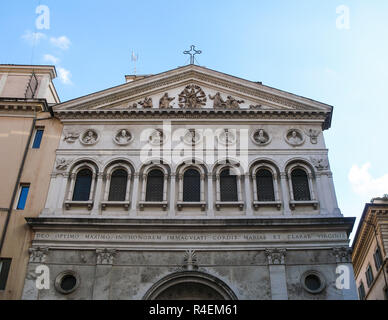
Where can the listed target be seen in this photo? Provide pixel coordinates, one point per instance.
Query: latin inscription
(170, 237)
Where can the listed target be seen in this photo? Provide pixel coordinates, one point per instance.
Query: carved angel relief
(71, 136)
(313, 134)
(62, 164)
(192, 97)
(320, 163)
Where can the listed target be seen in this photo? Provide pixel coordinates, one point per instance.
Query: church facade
(191, 184)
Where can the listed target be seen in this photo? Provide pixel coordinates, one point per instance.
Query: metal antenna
(134, 58)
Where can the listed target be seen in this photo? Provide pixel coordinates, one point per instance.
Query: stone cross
(192, 52)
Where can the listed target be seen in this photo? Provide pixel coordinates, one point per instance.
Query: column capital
(105, 256)
(275, 256)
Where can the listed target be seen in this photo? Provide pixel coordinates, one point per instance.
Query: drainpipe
(17, 183)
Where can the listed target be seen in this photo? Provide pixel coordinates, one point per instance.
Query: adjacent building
(29, 136)
(370, 251)
(189, 184)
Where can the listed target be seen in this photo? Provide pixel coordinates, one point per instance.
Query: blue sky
(291, 45)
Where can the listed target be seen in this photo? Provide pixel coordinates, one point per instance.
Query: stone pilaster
(277, 273)
(102, 282)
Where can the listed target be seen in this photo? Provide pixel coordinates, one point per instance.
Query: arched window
(191, 186)
(265, 187)
(228, 186)
(83, 185)
(118, 185)
(155, 182)
(300, 185)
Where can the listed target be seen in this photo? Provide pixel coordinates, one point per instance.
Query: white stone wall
(278, 153)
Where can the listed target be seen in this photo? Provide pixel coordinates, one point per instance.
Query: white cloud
(64, 75)
(62, 42)
(33, 38)
(51, 59)
(366, 186)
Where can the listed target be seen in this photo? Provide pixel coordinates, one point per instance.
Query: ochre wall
(38, 166)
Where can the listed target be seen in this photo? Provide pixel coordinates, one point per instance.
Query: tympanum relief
(165, 101)
(192, 97)
(229, 103)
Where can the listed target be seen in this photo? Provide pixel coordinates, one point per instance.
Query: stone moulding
(191, 114)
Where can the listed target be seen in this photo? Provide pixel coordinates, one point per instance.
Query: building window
(5, 264)
(369, 276)
(191, 186)
(38, 138)
(83, 185)
(300, 185)
(23, 196)
(361, 291)
(118, 185)
(228, 186)
(155, 183)
(264, 183)
(378, 259)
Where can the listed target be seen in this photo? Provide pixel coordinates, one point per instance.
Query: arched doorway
(190, 285)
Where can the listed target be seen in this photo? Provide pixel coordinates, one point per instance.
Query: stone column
(95, 196)
(210, 193)
(38, 256)
(248, 198)
(135, 193)
(102, 283)
(345, 272)
(172, 206)
(285, 194)
(277, 273)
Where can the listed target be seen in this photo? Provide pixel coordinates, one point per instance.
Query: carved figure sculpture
(218, 101)
(192, 97)
(164, 101)
(146, 103)
(123, 137)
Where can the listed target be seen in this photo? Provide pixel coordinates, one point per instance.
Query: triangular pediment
(192, 87)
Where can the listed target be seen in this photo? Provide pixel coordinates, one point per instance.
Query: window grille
(191, 186)
(228, 186)
(118, 185)
(300, 185)
(82, 186)
(265, 189)
(155, 182)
